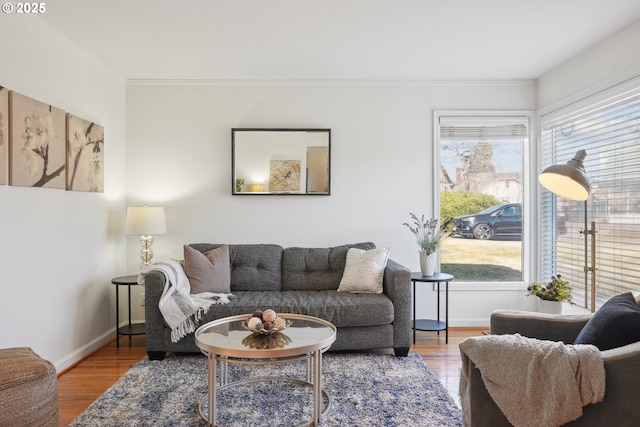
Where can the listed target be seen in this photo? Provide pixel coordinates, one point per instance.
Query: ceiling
(389, 40)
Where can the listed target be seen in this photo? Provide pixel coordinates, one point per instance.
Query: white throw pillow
(364, 271)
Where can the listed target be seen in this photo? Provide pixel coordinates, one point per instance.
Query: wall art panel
(4, 134)
(37, 148)
(85, 155)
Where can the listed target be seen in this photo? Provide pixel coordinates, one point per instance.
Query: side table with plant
(428, 236)
(551, 294)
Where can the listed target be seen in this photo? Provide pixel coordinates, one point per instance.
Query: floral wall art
(85, 152)
(43, 146)
(37, 143)
(4, 133)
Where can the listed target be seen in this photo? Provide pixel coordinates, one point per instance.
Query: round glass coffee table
(225, 341)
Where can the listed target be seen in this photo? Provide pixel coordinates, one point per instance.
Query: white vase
(427, 263)
(552, 307)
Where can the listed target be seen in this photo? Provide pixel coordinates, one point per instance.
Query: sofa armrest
(154, 282)
(554, 327)
(397, 286)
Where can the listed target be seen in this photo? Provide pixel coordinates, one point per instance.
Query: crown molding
(327, 82)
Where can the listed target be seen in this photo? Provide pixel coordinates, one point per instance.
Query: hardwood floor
(80, 385)
(444, 359)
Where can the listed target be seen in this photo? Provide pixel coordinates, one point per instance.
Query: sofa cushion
(317, 269)
(341, 309)
(253, 267)
(615, 324)
(208, 271)
(364, 271)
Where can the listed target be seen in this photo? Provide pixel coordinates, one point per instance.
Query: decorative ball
(257, 313)
(254, 323)
(269, 315)
(268, 325)
(279, 323)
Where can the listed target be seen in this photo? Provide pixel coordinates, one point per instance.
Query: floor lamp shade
(144, 221)
(570, 180)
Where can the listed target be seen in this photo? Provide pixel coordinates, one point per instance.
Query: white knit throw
(536, 383)
(181, 310)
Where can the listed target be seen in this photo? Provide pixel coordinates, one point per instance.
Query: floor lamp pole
(589, 232)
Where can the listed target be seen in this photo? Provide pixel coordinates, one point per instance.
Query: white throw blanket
(536, 383)
(181, 310)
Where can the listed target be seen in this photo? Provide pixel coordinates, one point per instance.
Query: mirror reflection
(281, 161)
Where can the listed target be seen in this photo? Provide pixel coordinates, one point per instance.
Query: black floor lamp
(571, 181)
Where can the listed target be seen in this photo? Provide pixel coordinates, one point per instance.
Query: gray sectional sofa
(303, 281)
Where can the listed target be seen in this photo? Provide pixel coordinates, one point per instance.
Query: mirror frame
(236, 134)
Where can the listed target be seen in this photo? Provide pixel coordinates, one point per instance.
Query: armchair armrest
(620, 404)
(554, 327)
(619, 407)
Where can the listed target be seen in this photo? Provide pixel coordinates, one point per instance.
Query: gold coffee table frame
(224, 341)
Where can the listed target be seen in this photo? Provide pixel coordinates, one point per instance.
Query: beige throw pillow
(364, 271)
(209, 271)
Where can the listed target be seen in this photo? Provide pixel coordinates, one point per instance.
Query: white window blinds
(607, 126)
(485, 127)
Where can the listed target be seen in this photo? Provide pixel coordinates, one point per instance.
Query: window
(480, 161)
(607, 126)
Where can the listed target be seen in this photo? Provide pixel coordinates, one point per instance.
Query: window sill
(487, 286)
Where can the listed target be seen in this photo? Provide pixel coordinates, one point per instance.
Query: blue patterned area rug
(366, 389)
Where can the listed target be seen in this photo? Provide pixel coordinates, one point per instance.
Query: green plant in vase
(239, 184)
(428, 236)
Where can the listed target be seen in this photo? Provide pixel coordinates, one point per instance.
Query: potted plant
(552, 294)
(239, 184)
(428, 236)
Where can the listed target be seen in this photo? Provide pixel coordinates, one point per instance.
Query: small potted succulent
(428, 236)
(551, 294)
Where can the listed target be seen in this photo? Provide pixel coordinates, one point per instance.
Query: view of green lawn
(482, 260)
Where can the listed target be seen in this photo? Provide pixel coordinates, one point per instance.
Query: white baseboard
(84, 351)
(469, 322)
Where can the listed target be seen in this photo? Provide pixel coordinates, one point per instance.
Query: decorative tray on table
(265, 322)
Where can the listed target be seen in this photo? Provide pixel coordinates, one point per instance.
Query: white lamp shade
(569, 181)
(145, 220)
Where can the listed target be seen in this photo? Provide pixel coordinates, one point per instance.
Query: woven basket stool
(28, 389)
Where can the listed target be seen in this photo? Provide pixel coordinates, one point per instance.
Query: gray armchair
(620, 406)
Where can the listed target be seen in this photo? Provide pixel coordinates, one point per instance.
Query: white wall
(179, 155)
(609, 62)
(59, 249)
(381, 159)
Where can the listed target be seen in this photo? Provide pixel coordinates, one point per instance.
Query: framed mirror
(280, 161)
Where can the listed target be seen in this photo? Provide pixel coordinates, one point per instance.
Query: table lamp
(144, 221)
